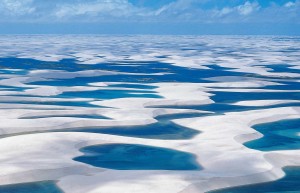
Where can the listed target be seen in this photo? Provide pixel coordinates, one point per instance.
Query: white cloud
(123, 10)
(94, 8)
(289, 4)
(245, 9)
(225, 11)
(248, 8)
(16, 7)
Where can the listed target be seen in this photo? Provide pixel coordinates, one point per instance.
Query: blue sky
(151, 16)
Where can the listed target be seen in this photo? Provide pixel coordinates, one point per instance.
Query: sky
(271, 17)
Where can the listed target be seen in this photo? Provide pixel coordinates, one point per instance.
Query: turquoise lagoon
(33, 187)
(137, 157)
(287, 184)
(279, 135)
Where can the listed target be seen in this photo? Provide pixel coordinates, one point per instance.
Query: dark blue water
(137, 157)
(163, 129)
(221, 108)
(34, 187)
(32, 64)
(279, 135)
(287, 184)
(282, 68)
(230, 97)
(177, 74)
(287, 85)
(173, 73)
(110, 94)
(137, 86)
(56, 103)
(11, 72)
(152, 131)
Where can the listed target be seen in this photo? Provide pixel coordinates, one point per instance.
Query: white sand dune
(31, 113)
(218, 149)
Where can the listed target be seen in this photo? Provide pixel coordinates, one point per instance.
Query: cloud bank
(203, 11)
